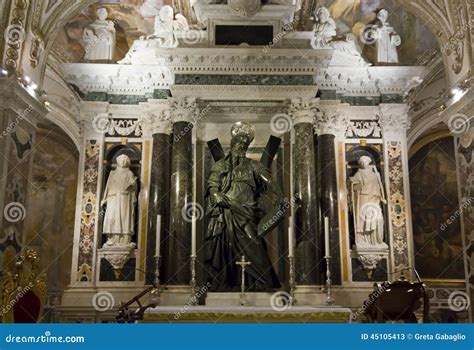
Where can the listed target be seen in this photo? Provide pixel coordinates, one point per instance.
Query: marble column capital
(303, 110)
(156, 122)
(331, 121)
(183, 109)
(394, 120)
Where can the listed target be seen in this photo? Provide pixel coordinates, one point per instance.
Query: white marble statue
(149, 10)
(120, 197)
(386, 39)
(324, 28)
(166, 26)
(325, 36)
(99, 38)
(367, 196)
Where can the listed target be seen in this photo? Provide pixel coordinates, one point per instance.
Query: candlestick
(158, 236)
(329, 298)
(326, 236)
(291, 239)
(193, 235)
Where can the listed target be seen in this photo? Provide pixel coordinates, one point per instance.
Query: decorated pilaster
(182, 112)
(308, 243)
(395, 122)
(461, 126)
(330, 126)
(87, 208)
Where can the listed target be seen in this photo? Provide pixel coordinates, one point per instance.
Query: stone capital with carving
(156, 120)
(303, 110)
(183, 109)
(331, 121)
(394, 120)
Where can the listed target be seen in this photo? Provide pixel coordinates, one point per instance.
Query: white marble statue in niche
(367, 198)
(99, 38)
(386, 39)
(120, 197)
(166, 26)
(326, 37)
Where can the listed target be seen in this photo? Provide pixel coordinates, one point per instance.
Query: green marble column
(159, 205)
(308, 252)
(181, 192)
(328, 199)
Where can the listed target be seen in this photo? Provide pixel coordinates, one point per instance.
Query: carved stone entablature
(204, 60)
(245, 92)
(394, 120)
(303, 110)
(367, 81)
(118, 79)
(145, 79)
(183, 109)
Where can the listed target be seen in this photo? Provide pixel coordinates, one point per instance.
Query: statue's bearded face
(239, 146)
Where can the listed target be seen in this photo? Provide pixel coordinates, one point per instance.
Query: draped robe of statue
(232, 231)
(120, 197)
(367, 196)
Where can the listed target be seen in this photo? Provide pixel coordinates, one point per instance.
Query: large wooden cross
(268, 155)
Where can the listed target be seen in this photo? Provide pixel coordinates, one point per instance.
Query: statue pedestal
(246, 314)
(370, 263)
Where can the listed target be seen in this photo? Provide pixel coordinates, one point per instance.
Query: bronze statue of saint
(234, 192)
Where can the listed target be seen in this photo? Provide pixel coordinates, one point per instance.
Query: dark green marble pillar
(181, 196)
(159, 205)
(327, 176)
(309, 253)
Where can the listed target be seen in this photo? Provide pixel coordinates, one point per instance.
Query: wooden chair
(397, 301)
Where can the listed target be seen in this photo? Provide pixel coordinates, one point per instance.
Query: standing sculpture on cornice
(99, 38)
(385, 38)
